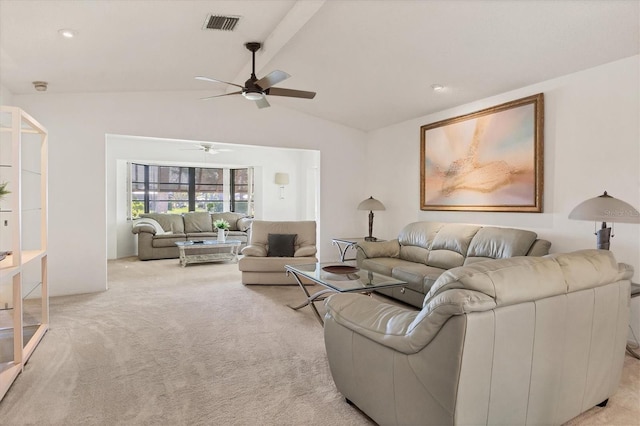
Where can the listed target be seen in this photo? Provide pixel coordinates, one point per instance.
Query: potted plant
(222, 227)
(3, 190)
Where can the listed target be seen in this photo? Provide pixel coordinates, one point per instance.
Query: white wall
(266, 161)
(591, 144)
(78, 123)
(6, 97)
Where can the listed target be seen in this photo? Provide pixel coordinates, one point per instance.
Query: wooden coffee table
(205, 251)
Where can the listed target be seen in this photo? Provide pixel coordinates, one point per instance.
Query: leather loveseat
(424, 250)
(526, 340)
(159, 232)
(260, 265)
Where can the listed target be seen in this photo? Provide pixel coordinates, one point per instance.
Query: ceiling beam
(297, 17)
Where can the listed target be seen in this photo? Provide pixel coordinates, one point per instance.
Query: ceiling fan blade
(271, 79)
(262, 102)
(277, 91)
(217, 81)
(224, 94)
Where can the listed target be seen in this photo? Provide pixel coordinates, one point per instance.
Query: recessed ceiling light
(437, 87)
(67, 33)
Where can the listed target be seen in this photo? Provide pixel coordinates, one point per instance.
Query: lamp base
(603, 238)
(370, 239)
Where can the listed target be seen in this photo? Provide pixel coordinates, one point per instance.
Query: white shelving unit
(24, 298)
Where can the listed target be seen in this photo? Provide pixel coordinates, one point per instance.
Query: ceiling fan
(208, 148)
(256, 89)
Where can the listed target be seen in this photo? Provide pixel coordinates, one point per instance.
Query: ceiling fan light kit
(255, 89)
(253, 96)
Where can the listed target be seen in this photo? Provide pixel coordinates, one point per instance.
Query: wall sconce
(371, 204)
(282, 179)
(605, 208)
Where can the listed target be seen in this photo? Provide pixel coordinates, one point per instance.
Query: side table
(635, 292)
(344, 244)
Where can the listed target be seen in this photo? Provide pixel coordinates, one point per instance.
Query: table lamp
(605, 208)
(371, 204)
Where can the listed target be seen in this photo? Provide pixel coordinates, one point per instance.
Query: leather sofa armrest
(378, 321)
(372, 249)
(305, 251)
(244, 223)
(398, 328)
(254, 251)
(143, 228)
(539, 247)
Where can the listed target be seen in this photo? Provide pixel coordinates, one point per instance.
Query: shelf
(30, 288)
(24, 304)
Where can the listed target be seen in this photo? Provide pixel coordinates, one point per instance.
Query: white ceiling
(372, 63)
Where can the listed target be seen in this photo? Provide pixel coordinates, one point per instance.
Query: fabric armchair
(260, 263)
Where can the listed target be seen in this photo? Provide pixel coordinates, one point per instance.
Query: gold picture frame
(488, 160)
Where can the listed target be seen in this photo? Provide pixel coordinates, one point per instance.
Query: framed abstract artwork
(489, 160)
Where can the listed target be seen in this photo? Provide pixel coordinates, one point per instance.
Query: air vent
(222, 23)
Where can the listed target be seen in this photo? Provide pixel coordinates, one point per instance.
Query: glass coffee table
(202, 251)
(337, 278)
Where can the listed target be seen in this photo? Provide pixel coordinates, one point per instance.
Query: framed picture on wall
(488, 160)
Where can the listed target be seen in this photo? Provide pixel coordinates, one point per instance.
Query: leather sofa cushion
(589, 268)
(450, 245)
(500, 243)
(445, 259)
(383, 265)
(197, 222)
(414, 254)
(169, 222)
(420, 234)
(507, 281)
(416, 275)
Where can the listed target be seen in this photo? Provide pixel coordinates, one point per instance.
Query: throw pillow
(281, 245)
(197, 222)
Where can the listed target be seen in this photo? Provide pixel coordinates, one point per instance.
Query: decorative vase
(222, 235)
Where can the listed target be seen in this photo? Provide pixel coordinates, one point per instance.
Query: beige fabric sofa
(520, 341)
(424, 250)
(259, 268)
(158, 232)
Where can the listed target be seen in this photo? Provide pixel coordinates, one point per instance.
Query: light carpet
(167, 345)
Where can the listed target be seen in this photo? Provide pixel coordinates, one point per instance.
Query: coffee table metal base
(361, 282)
(315, 297)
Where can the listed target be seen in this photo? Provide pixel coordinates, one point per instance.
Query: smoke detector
(40, 86)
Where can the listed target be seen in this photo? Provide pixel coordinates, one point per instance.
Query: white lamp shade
(371, 204)
(282, 178)
(605, 208)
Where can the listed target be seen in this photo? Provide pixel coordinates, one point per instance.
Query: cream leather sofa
(424, 250)
(258, 267)
(526, 340)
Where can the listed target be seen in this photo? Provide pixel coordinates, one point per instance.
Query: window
(242, 191)
(176, 189)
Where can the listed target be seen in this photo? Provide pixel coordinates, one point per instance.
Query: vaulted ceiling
(372, 63)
